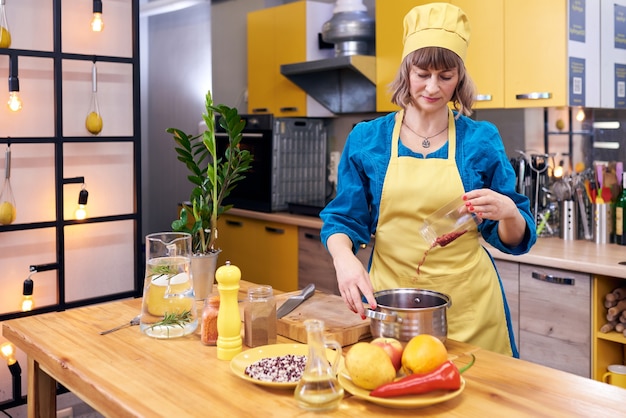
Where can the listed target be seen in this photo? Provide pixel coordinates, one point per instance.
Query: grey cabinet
(555, 318)
(315, 265)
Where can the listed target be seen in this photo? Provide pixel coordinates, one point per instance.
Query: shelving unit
(609, 348)
(119, 220)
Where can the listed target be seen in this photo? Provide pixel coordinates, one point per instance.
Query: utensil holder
(601, 217)
(568, 225)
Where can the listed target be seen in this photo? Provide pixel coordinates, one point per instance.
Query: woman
(399, 168)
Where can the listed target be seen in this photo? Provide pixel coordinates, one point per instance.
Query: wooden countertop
(576, 255)
(128, 374)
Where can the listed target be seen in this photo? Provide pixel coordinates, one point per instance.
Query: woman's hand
(352, 277)
(488, 204)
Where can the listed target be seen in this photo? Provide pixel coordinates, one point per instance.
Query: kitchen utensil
(293, 302)
(405, 313)
(583, 213)
(600, 183)
(569, 220)
(8, 210)
(341, 323)
(134, 321)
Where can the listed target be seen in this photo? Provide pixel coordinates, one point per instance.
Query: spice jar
(260, 317)
(208, 328)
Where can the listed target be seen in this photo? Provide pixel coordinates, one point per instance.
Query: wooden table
(129, 374)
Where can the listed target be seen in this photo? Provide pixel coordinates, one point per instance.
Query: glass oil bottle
(318, 388)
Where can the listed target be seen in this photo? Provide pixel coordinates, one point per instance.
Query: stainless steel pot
(405, 313)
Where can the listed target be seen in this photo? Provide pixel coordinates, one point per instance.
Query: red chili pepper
(446, 377)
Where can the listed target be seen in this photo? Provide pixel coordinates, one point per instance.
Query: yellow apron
(413, 189)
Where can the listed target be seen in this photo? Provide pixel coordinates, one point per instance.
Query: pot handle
(382, 316)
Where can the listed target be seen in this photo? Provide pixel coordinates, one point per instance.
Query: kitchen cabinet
(315, 264)
(485, 57)
(266, 252)
(520, 51)
(280, 35)
(555, 318)
(613, 53)
(608, 348)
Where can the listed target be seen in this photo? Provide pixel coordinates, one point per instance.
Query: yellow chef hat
(436, 24)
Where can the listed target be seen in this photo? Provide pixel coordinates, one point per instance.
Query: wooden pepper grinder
(229, 341)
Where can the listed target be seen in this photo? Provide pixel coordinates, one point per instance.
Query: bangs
(435, 58)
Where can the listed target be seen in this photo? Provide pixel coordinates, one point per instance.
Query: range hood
(343, 84)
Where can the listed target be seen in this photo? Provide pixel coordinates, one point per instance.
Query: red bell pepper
(446, 377)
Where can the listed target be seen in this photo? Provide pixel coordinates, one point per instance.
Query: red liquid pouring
(441, 241)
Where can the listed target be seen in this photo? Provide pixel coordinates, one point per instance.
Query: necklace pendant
(426, 143)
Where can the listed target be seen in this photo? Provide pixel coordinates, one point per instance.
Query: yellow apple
(393, 348)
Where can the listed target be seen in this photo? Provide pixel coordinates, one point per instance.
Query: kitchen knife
(293, 302)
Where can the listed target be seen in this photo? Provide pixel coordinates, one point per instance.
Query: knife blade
(293, 302)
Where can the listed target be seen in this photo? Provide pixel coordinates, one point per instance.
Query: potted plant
(214, 177)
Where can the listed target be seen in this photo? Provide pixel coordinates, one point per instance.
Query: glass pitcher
(319, 389)
(168, 306)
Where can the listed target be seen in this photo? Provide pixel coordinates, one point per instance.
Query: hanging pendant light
(15, 102)
(81, 210)
(93, 123)
(97, 24)
(5, 35)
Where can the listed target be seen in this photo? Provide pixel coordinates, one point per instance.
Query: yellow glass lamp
(93, 122)
(97, 24)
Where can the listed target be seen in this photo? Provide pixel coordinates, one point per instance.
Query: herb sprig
(178, 319)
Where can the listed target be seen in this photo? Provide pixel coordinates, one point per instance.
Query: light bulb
(81, 212)
(580, 116)
(8, 352)
(28, 303)
(96, 22)
(15, 102)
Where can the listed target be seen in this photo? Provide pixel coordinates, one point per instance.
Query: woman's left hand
(487, 204)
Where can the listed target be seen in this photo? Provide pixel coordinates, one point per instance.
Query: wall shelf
(131, 220)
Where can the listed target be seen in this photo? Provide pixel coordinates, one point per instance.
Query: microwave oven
(289, 163)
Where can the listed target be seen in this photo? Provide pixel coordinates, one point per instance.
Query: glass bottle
(260, 317)
(208, 327)
(7, 201)
(620, 220)
(5, 35)
(93, 122)
(319, 389)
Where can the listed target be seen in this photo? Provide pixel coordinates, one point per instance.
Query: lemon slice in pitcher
(169, 294)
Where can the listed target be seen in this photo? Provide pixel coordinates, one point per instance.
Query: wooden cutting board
(340, 322)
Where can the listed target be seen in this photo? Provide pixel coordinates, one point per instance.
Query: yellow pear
(369, 366)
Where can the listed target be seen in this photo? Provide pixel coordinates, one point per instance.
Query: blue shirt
(480, 158)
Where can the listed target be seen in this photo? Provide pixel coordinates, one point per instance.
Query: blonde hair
(437, 59)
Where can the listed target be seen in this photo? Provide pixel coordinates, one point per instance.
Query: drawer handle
(289, 109)
(534, 96)
(553, 279)
(260, 110)
(274, 230)
(233, 223)
(316, 237)
(483, 97)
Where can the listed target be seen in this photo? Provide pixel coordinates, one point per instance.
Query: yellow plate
(402, 402)
(242, 360)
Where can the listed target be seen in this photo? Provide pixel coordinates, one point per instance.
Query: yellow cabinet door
(535, 53)
(389, 34)
(261, 75)
(291, 37)
(485, 55)
(266, 252)
(276, 36)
